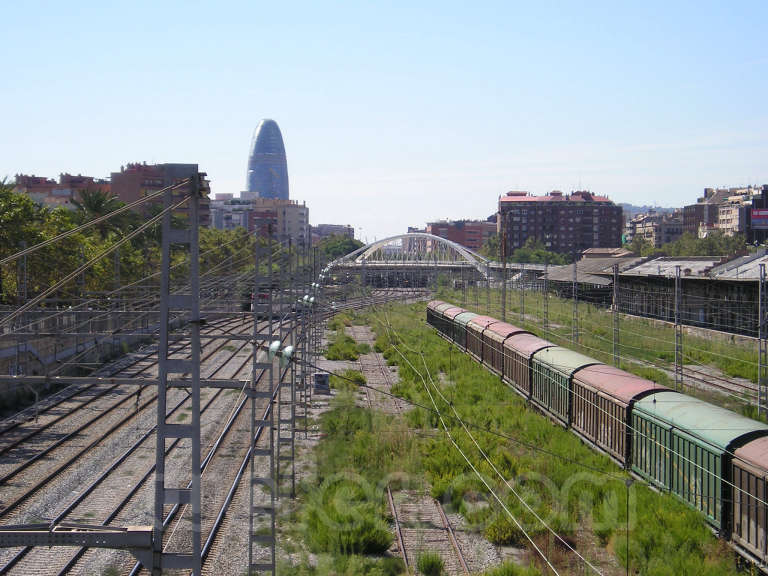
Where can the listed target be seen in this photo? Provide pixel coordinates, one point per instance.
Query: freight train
(714, 460)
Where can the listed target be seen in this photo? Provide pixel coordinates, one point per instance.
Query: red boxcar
(493, 343)
(475, 329)
(749, 475)
(602, 398)
(518, 350)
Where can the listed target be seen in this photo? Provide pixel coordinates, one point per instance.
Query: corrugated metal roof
(665, 266)
(588, 269)
(755, 452)
(434, 304)
(743, 268)
(464, 317)
(443, 307)
(483, 321)
(451, 313)
(504, 329)
(564, 360)
(526, 344)
(616, 382)
(715, 425)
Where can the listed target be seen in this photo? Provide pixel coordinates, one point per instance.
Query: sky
(396, 113)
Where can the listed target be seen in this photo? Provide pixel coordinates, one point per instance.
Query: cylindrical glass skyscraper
(267, 166)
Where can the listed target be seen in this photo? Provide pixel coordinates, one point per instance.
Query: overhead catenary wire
(93, 222)
(479, 475)
(677, 454)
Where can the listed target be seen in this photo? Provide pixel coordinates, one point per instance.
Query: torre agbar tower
(267, 167)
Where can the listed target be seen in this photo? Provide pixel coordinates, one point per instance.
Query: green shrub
(510, 569)
(667, 537)
(502, 532)
(363, 348)
(430, 564)
(342, 347)
(348, 380)
(340, 518)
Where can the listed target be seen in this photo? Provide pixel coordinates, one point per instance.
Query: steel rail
(81, 497)
(452, 537)
(24, 465)
(398, 529)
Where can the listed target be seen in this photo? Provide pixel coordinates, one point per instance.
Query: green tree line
(23, 222)
(715, 244)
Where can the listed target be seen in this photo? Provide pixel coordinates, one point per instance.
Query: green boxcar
(686, 445)
(553, 369)
(460, 328)
(442, 323)
(433, 315)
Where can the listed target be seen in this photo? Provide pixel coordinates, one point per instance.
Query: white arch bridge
(415, 248)
(417, 259)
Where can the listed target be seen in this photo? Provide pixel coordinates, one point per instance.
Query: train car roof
(713, 424)
(526, 344)
(755, 453)
(442, 307)
(434, 304)
(616, 382)
(504, 330)
(464, 317)
(483, 322)
(563, 360)
(453, 312)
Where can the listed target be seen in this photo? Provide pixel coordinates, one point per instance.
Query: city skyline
(408, 112)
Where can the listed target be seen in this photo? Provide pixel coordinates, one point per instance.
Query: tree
(20, 220)
(490, 248)
(95, 203)
(336, 246)
(715, 244)
(534, 252)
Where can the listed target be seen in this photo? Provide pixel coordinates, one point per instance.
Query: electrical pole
(575, 295)
(168, 493)
(522, 294)
(546, 298)
(678, 333)
(616, 359)
(762, 370)
(503, 251)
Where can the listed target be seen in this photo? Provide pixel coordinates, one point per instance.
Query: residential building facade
(282, 219)
(656, 229)
(471, 234)
(63, 193)
(137, 180)
(564, 223)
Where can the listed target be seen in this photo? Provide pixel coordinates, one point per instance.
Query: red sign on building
(760, 218)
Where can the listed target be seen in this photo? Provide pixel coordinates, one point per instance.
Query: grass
(348, 380)
(641, 340)
(341, 347)
(580, 489)
(343, 517)
(430, 564)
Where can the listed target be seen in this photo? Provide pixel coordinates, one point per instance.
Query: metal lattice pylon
(168, 493)
(286, 409)
(762, 369)
(261, 537)
(678, 332)
(616, 334)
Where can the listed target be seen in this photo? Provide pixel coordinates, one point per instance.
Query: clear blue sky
(395, 113)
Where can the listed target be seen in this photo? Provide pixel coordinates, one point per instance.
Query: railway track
(420, 523)
(144, 418)
(121, 494)
(60, 412)
(34, 472)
